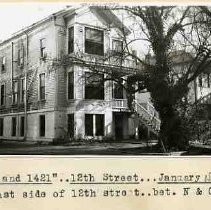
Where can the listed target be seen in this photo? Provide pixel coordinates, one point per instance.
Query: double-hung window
(94, 41)
(42, 86)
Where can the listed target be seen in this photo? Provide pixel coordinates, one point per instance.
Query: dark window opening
(2, 95)
(94, 41)
(94, 124)
(21, 56)
(117, 46)
(14, 124)
(204, 80)
(22, 126)
(118, 90)
(22, 90)
(15, 92)
(89, 124)
(99, 123)
(43, 53)
(70, 40)
(70, 125)
(42, 125)
(94, 86)
(42, 86)
(3, 64)
(70, 85)
(1, 126)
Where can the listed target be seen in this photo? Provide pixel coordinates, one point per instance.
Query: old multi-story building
(46, 92)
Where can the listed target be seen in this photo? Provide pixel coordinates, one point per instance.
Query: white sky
(15, 16)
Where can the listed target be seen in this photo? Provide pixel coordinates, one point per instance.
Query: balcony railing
(119, 104)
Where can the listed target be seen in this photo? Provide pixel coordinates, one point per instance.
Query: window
(204, 80)
(2, 95)
(89, 124)
(94, 41)
(94, 86)
(70, 125)
(99, 123)
(43, 53)
(70, 85)
(1, 126)
(15, 92)
(42, 86)
(3, 64)
(70, 40)
(42, 125)
(117, 46)
(22, 126)
(14, 124)
(21, 56)
(94, 124)
(23, 88)
(118, 91)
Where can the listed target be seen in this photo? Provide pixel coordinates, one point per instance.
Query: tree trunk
(173, 131)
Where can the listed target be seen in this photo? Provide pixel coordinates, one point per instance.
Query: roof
(106, 14)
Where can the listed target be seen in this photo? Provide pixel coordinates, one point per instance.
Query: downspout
(26, 91)
(12, 70)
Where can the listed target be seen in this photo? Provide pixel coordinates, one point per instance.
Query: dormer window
(71, 40)
(117, 46)
(94, 41)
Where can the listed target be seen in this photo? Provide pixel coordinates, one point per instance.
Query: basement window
(94, 124)
(42, 125)
(70, 125)
(14, 124)
(1, 126)
(22, 126)
(94, 41)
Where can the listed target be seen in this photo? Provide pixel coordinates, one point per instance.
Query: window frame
(14, 126)
(42, 96)
(92, 125)
(43, 52)
(97, 89)
(70, 43)
(3, 64)
(117, 50)
(22, 90)
(15, 92)
(70, 86)
(100, 44)
(1, 126)
(42, 126)
(22, 126)
(2, 102)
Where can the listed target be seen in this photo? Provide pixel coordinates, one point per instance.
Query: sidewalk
(129, 147)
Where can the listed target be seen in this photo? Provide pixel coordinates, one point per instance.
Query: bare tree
(168, 34)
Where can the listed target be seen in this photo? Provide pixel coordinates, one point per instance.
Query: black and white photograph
(105, 79)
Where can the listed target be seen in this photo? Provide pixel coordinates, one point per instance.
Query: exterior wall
(56, 106)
